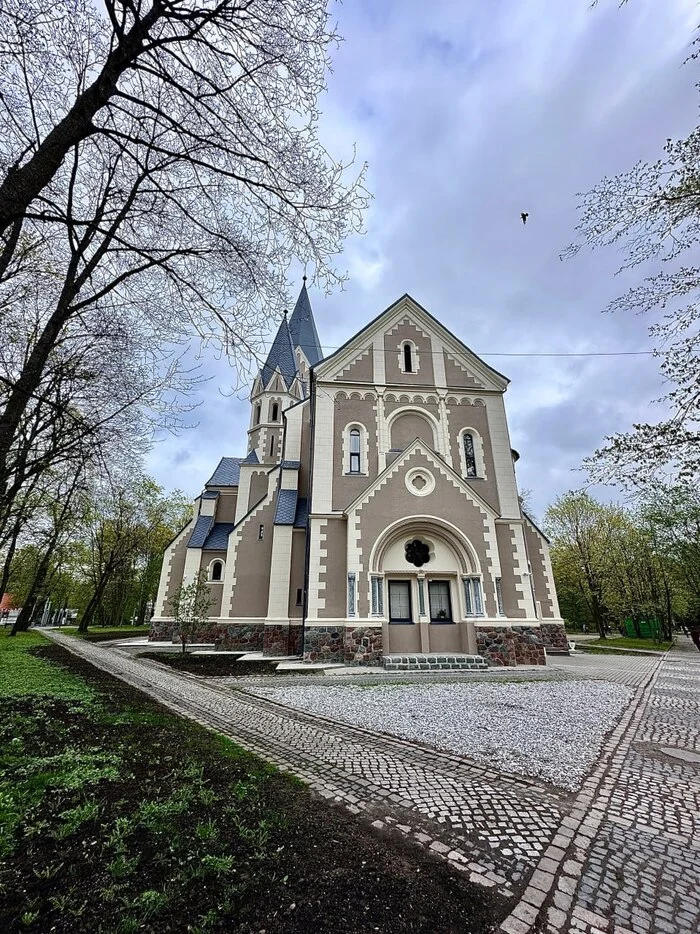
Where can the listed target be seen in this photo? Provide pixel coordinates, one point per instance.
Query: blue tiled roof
(252, 458)
(286, 507)
(303, 328)
(200, 531)
(217, 539)
(281, 356)
(291, 465)
(302, 513)
(227, 473)
(210, 494)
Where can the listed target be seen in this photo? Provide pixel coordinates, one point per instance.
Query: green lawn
(117, 817)
(626, 642)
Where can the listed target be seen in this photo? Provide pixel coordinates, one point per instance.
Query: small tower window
(275, 411)
(216, 570)
(261, 532)
(407, 358)
(469, 455)
(355, 450)
(272, 445)
(257, 414)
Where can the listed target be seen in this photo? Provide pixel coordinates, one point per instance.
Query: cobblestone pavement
(491, 825)
(627, 857)
(621, 856)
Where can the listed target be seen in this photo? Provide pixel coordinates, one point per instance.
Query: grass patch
(625, 642)
(117, 816)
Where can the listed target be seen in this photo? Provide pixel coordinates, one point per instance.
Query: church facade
(376, 511)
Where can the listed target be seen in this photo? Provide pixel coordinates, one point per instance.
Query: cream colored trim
(193, 561)
(502, 458)
(438, 463)
(379, 360)
(322, 479)
(415, 410)
(364, 448)
(318, 555)
(436, 332)
(280, 571)
(415, 356)
(166, 569)
(466, 553)
(223, 570)
(478, 453)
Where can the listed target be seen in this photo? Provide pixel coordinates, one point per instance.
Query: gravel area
(548, 730)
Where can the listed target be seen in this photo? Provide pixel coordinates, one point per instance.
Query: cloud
(468, 116)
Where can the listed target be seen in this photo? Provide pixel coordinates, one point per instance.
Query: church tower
(282, 381)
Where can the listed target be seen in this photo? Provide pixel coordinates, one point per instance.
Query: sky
(469, 113)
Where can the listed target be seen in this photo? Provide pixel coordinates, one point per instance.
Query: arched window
(275, 412)
(216, 570)
(354, 450)
(407, 358)
(257, 414)
(469, 454)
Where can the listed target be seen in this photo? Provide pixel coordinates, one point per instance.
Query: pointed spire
(281, 356)
(303, 327)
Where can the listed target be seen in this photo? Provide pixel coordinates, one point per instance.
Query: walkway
(617, 857)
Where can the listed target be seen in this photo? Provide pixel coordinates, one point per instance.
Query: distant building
(376, 510)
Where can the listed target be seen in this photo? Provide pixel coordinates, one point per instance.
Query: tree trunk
(24, 617)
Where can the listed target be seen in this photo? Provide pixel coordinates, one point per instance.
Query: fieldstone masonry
(506, 645)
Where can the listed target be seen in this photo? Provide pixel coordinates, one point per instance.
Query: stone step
(434, 661)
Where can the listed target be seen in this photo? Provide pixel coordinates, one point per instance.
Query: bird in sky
(524, 216)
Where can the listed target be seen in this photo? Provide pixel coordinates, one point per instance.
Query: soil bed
(218, 666)
(117, 817)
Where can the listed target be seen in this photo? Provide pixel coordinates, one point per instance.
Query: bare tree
(653, 214)
(162, 168)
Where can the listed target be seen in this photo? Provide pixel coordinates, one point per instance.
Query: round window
(420, 481)
(417, 552)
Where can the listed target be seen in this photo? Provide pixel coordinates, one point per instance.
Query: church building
(376, 510)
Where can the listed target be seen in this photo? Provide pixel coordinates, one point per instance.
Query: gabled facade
(376, 510)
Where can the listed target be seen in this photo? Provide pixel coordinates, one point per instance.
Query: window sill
(401, 622)
(442, 622)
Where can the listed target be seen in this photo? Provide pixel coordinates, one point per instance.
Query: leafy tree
(190, 607)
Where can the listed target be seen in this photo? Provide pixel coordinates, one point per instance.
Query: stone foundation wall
(241, 637)
(164, 630)
(363, 646)
(296, 639)
(554, 637)
(276, 640)
(510, 646)
(323, 644)
(161, 630)
(359, 645)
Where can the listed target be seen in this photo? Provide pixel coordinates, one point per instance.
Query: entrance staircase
(434, 662)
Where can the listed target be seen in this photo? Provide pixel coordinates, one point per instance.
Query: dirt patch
(127, 819)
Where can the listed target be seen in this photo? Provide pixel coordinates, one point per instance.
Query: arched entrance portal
(431, 582)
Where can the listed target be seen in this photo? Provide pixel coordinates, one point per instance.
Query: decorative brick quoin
(375, 511)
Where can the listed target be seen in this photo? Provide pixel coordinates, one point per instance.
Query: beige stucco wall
(173, 567)
(345, 487)
(258, 487)
(425, 373)
(474, 416)
(361, 369)
(296, 579)
(252, 566)
(394, 501)
(409, 426)
(456, 377)
(509, 578)
(334, 574)
(536, 547)
(226, 507)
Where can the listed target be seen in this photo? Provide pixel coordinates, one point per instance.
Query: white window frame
(415, 357)
(364, 450)
(210, 570)
(478, 454)
(377, 595)
(473, 596)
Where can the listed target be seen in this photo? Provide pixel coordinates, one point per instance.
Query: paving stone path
(620, 856)
(628, 853)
